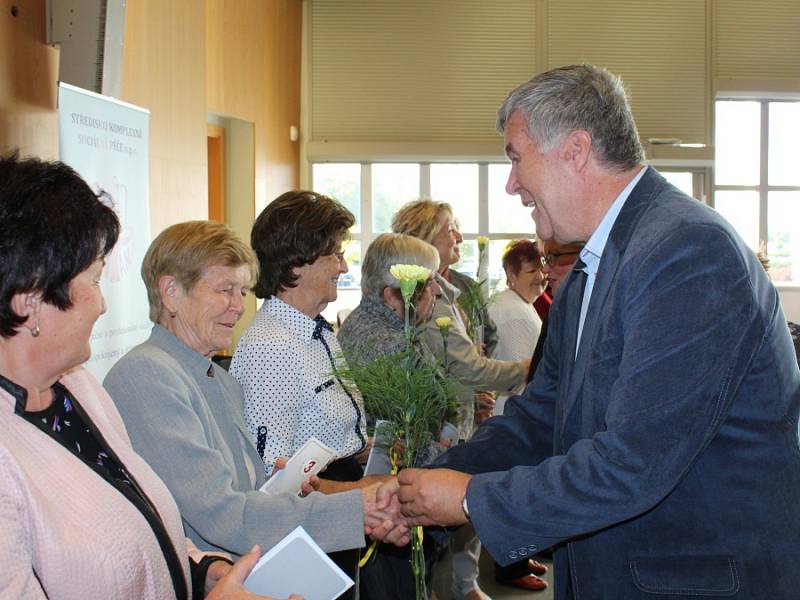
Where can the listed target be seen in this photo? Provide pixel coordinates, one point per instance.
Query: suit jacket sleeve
(681, 345)
(526, 424)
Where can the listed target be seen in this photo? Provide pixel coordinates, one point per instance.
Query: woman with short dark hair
(295, 230)
(285, 361)
(82, 515)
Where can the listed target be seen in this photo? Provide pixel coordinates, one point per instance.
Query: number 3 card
(307, 461)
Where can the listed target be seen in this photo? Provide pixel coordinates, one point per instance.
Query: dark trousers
(345, 469)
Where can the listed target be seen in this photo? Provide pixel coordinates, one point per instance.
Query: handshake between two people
(394, 504)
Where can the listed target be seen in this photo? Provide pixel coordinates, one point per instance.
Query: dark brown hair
(54, 227)
(294, 230)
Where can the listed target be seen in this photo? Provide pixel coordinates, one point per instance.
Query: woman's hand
(216, 571)
(230, 586)
(312, 484)
(484, 406)
(363, 456)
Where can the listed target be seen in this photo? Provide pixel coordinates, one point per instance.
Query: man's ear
(170, 290)
(577, 149)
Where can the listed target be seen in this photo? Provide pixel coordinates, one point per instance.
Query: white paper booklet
(379, 462)
(297, 565)
(307, 461)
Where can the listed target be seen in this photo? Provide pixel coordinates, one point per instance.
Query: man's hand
(382, 518)
(230, 586)
(433, 496)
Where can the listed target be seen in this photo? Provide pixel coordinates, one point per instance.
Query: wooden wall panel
(28, 81)
(253, 73)
(164, 71)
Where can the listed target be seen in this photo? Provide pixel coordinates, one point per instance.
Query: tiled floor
(502, 592)
(488, 585)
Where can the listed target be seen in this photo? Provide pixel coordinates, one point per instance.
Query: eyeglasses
(555, 258)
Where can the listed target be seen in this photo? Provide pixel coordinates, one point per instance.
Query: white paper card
(307, 461)
(379, 462)
(449, 435)
(297, 565)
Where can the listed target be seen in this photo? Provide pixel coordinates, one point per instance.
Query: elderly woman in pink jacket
(82, 515)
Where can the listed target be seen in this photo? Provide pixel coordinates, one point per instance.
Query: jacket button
(512, 555)
(523, 552)
(532, 548)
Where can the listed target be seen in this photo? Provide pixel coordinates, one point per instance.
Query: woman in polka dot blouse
(285, 360)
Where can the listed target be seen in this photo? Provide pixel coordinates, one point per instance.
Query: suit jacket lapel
(572, 295)
(618, 239)
(602, 284)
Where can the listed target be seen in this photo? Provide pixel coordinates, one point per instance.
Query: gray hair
(585, 97)
(390, 249)
(185, 251)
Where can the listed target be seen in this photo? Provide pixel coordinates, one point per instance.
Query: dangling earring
(35, 331)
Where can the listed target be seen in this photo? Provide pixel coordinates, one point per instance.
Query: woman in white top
(518, 323)
(518, 328)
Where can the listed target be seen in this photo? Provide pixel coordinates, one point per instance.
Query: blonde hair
(390, 249)
(185, 250)
(420, 218)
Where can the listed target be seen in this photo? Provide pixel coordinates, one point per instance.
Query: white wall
(790, 299)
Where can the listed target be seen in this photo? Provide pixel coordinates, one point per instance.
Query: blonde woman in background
(433, 222)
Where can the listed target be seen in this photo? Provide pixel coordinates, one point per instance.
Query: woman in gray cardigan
(184, 413)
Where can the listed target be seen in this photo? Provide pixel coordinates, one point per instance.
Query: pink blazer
(66, 533)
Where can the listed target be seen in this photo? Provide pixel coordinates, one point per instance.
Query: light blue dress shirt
(593, 250)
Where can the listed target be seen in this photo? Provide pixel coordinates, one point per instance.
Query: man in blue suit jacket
(657, 447)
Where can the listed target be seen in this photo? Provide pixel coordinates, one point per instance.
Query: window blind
(757, 40)
(659, 49)
(415, 70)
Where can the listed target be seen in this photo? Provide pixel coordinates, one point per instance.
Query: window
(756, 179)
(374, 191)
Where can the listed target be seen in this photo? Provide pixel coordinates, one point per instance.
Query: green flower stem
(418, 562)
(417, 551)
(445, 335)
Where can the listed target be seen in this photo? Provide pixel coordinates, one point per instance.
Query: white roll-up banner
(106, 141)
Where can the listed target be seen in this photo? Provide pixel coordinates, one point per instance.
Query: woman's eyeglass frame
(554, 258)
